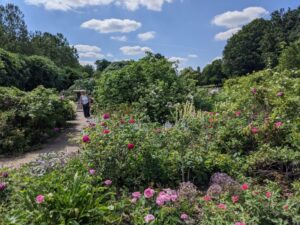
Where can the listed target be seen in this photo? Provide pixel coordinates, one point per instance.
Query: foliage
(29, 118)
(290, 57)
(213, 74)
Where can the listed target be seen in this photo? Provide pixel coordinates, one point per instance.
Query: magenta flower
(106, 131)
(235, 198)
(92, 171)
(278, 124)
(40, 199)
(184, 216)
(106, 116)
(280, 94)
(268, 194)
(254, 130)
(238, 113)
(132, 121)
(3, 186)
(254, 90)
(222, 206)
(239, 223)
(149, 218)
(108, 182)
(86, 139)
(245, 187)
(207, 198)
(148, 193)
(136, 194)
(130, 146)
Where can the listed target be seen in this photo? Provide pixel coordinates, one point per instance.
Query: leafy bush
(29, 118)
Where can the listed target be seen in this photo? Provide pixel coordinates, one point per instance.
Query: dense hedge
(28, 118)
(26, 73)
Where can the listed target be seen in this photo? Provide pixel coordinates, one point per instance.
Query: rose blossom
(254, 130)
(130, 146)
(280, 94)
(149, 218)
(235, 198)
(106, 116)
(148, 193)
(92, 171)
(239, 223)
(2, 186)
(245, 187)
(207, 198)
(106, 131)
(108, 182)
(40, 199)
(132, 121)
(278, 124)
(184, 216)
(238, 113)
(222, 206)
(268, 194)
(136, 194)
(86, 139)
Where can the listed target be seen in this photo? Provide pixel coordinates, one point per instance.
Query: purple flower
(108, 182)
(92, 171)
(280, 94)
(40, 199)
(106, 116)
(184, 216)
(136, 194)
(149, 218)
(3, 186)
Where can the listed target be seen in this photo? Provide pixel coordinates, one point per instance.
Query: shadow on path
(66, 142)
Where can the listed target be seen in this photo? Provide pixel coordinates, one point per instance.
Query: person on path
(85, 101)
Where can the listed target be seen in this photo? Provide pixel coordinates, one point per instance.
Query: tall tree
(102, 64)
(213, 74)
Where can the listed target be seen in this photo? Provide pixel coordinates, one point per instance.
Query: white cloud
(109, 55)
(88, 51)
(216, 58)
(134, 50)
(177, 59)
(193, 56)
(232, 19)
(147, 36)
(222, 36)
(119, 38)
(65, 5)
(84, 63)
(112, 25)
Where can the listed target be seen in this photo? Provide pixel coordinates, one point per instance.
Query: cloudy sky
(193, 32)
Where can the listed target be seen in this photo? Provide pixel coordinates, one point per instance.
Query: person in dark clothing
(85, 101)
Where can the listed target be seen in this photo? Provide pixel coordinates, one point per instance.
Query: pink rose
(280, 94)
(148, 193)
(238, 113)
(278, 124)
(86, 139)
(106, 116)
(130, 146)
(235, 198)
(245, 187)
(207, 198)
(222, 206)
(132, 121)
(106, 131)
(92, 171)
(184, 216)
(40, 199)
(239, 223)
(149, 218)
(108, 182)
(3, 186)
(268, 194)
(136, 194)
(254, 130)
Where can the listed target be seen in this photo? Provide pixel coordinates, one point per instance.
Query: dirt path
(66, 142)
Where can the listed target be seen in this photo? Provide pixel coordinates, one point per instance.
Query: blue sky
(191, 31)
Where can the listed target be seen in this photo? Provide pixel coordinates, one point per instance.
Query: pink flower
(149, 218)
(278, 124)
(238, 113)
(268, 194)
(106, 131)
(239, 223)
(40, 199)
(160, 201)
(222, 206)
(92, 171)
(207, 198)
(286, 207)
(254, 130)
(235, 198)
(108, 182)
(86, 139)
(130, 146)
(148, 193)
(3, 186)
(253, 90)
(132, 121)
(245, 187)
(106, 116)
(136, 194)
(280, 94)
(184, 216)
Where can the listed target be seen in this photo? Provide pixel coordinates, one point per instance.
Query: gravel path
(66, 142)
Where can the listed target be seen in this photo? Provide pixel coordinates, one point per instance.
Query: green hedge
(28, 118)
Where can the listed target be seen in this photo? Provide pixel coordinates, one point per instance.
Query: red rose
(130, 146)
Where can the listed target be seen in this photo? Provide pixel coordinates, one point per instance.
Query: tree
(102, 64)
(290, 57)
(213, 74)
(190, 73)
(13, 30)
(89, 69)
